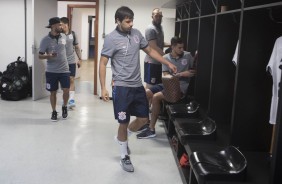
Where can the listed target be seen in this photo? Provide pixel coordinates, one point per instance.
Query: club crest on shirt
(136, 39)
(71, 36)
(184, 61)
(122, 115)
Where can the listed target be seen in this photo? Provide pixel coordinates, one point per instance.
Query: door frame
(70, 8)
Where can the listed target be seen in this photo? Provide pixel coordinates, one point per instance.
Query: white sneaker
(71, 103)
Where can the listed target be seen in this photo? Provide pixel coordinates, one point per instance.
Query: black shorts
(53, 80)
(152, 73)
(129, 101)
(72, 68)
(156, 88)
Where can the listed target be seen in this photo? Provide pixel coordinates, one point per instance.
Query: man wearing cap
(53, 49)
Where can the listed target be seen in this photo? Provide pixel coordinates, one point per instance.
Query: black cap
(52, 21)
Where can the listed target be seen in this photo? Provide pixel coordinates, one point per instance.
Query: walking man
(53, 49)
(122, 46)
(72, 48)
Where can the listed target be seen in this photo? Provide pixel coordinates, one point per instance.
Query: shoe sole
(54, 120)
(124, 168)
(150, 136)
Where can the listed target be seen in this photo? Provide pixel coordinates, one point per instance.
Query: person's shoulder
(111, 35)
(134, 31)
(166, 55)
(73, 33)
(187, 54)
(151, 27)
(47, 37)
(63, 35)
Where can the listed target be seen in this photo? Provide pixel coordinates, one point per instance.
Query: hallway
(79, 150)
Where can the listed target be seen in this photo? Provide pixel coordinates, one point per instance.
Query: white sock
(122, 147)
(72, 95)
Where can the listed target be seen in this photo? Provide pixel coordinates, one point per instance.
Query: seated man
(183, 60)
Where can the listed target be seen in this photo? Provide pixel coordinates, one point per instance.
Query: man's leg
(136, 124)
(156, 105)
(64, 107)
(71, 101)
(53, 99)
(72, 91)
(123, 145)
(65, 96)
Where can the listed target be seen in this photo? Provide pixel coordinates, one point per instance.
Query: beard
(59, 30)
(157, 24)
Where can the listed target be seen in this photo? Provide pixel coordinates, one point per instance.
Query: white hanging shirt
(273, 67)
(235, 57)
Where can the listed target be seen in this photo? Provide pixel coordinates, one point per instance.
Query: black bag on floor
(15, 82)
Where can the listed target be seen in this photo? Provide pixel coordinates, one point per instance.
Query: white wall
(142, 18)
(12, 32)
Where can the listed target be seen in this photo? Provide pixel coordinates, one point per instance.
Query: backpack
(15, 83)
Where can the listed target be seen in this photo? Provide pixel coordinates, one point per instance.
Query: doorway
(91, 45)
(94, 41)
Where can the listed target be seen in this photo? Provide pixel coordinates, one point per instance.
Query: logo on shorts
(48, 86)
(153, 80)
(122, 115)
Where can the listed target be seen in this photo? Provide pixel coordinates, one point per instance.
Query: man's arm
(153, 44)
(45, 55)
(154, 54)
(102, 76)
(78, 53)
(187, 73)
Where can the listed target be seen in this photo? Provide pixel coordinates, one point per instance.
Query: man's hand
(191, 73)
(79, 63)
(172, 67)
(105, 95)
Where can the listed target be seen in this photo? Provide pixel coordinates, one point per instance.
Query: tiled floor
(79, 150)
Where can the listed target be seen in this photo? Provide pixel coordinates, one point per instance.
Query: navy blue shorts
(53, 79)
(129, 101)
(156, 88)
(72, 68)
(152, 73)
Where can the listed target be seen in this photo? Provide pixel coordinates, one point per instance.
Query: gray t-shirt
(183, 63)
(71, 42)
(154, 33)
(57, 44)
(124, 51)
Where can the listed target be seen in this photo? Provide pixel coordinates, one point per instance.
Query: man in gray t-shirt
(155, 37)
(53, 49)
(72, 49)
(122, 46)
(184, 62)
